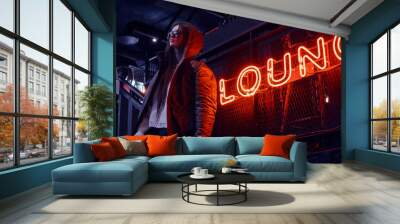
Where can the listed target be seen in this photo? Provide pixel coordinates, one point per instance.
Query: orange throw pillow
(277, 145)
(116, 145)
(135, 137)
(103, 152)
(161, 145)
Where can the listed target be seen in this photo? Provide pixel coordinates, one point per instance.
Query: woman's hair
(168, 64)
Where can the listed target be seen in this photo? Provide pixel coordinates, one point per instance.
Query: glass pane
(81, 131)
(33, 139)
(6, 142)
(7, 14)
(62, 138)
(395, 47)
(34, 97)
(35, 21)
(81, 45)
(395, 94)
(81, 81)
(62, 29)
(379, 135)
(379, 56)
(379, 97)
(62, 89)
(395, 136)
(6, 74)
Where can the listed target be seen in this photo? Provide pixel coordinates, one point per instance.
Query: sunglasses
(174, 33)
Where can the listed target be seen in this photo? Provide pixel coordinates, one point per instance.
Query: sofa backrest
(191, 146)
(83, 152)
(206, 145)
(249, 145)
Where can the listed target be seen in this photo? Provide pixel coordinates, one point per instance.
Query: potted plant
(96, 102)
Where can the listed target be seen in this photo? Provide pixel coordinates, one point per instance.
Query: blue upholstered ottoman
(118, 177)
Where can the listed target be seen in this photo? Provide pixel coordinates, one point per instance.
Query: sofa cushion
(133, 158)
(249, 145)
(116, 145)
(135, 137)
(185, 163)
(208, 145)
(103, 152)
(135, 147)
(112, 171)
(277, 145)
(257, 163)
(161, 145)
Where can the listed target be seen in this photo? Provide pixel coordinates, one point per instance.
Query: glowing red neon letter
(312, 57)
(252, 90)
(337, 47)
(223, 99)
(287, 71)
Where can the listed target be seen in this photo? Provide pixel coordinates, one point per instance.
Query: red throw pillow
(161, 145)
(103, 152)
(135, 137)
(277, 145)
(116, 145)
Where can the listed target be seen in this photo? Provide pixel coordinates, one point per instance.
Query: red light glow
(242, 90)
(223, 99)
(314, 59)
(287, 71)
(337, 47)
(304, 54)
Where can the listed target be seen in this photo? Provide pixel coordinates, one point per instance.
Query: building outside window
(3, 77)
(59, 127)
(30, 87)
(3, 81)
(30, 72)
(37, 75)
(43, 77)
(385, 91)
(43, 90)
(55, 96)
(3, 60)
(3, 72)
(38, 89)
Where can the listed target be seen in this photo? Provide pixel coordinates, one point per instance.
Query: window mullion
(50, 81)
(73, 82)
(371, 89)
(16, 85)
(389, 105)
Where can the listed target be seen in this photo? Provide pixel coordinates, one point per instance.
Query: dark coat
(192, 96)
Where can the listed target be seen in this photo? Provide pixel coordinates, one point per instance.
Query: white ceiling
(316, 15)
(321, 9)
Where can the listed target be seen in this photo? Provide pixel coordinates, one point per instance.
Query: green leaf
(96, 102)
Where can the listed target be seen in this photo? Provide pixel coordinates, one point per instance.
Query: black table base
(241, 191)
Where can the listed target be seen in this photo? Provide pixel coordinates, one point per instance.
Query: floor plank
(376, 189)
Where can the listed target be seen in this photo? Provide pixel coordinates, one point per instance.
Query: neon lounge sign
(309, 62)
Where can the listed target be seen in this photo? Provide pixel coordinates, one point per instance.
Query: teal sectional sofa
(125, 176)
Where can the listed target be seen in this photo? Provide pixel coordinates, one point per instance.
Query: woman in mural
(182, 96)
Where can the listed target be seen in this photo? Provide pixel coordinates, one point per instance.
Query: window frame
(388, 74)
(16, 114)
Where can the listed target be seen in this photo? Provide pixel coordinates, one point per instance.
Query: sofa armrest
(83, 152)
(298, 155)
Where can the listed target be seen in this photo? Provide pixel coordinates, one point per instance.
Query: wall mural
(293, 86)
(195, 81)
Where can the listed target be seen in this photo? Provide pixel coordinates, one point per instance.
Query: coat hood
(194, 42)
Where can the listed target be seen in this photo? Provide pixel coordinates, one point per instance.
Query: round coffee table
(238, 179)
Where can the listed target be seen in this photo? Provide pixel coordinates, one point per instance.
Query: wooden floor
(378, 189)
